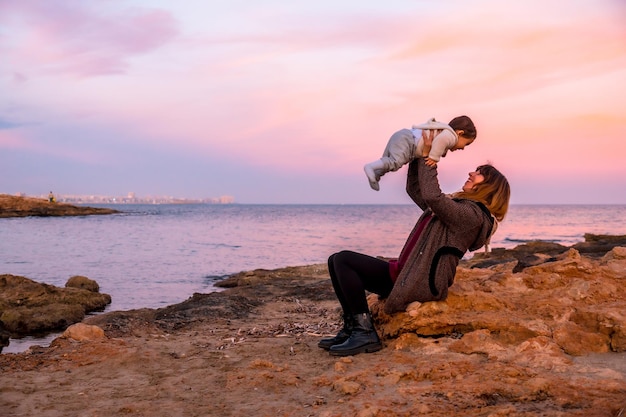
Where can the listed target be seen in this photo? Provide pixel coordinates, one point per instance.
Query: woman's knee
(343, 256)
(338, 258)
(331, 259)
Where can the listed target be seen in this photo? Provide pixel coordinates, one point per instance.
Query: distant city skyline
(284, 102)
(130, 198)
(225, 199)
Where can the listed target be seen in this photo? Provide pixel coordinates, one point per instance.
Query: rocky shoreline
(29, 308)
(14, 206)
(538, 330)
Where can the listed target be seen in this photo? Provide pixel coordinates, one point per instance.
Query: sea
(157, 255)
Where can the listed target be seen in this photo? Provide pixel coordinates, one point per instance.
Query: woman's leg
(335, 281)
(346, 330)
(352, 274)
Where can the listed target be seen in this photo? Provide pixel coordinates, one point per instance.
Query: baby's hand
(430, 162)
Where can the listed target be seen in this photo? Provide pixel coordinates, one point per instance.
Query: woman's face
(474, 178)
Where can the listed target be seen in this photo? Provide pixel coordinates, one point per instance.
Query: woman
(449, 227)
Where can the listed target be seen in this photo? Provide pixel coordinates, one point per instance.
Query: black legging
(352, 274)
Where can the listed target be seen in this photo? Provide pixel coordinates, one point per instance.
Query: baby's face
(462, 143)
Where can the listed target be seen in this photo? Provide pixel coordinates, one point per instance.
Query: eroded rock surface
(28, 307)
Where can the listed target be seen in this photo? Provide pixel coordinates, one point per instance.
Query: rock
(612, 261)
(82, 332)
(4, 336)
(479, 341)
(346, 387)
(85, 283)
(615, 253)
(575, 301)
(538, 251)
(13, 206)
(577, 341)
(28, 307)
(598, 245)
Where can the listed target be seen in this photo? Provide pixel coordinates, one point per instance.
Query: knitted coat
(457, 225)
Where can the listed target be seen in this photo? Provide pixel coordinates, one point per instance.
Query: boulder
(83, 332)
(85, 283)
(28, 307)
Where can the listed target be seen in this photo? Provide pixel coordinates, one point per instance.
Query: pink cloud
(10, 139)
(33, 140)
(68, 37)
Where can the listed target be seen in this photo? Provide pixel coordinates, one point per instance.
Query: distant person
(51, 198)
(406, 144)
(449, 226)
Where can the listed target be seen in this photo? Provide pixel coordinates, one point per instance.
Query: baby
(406, 144)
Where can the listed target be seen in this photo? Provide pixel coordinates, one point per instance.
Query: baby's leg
(374, 170)
(398, 152)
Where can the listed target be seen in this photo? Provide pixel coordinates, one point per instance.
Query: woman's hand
(427, 136)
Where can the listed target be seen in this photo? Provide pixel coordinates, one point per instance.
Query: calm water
(156, 255)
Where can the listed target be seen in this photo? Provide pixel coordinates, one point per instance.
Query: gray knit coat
(457, 225)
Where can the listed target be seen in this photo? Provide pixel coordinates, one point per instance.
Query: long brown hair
(494, 192)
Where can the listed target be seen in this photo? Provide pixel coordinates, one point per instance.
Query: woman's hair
(465, 124)
(494, 192)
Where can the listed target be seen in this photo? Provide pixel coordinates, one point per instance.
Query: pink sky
(283, 102)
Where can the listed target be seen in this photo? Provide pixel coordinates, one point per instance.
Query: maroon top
(396, 265)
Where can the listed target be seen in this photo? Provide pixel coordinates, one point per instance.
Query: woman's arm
(450, 212)
(413, 185)
(413, 188)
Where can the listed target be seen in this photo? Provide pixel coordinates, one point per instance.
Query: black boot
(362, 339)
(341, 337)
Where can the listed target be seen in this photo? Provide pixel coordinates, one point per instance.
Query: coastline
(15, 206)
(252, 350)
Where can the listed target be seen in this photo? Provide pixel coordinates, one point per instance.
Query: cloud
(18, 142)
(10, 138)
(78, 38)
(510, 56)
(5, 124)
